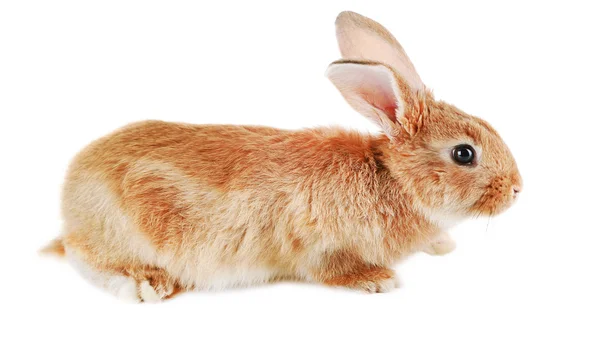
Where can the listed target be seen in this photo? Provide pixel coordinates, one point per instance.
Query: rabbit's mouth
(497, 198)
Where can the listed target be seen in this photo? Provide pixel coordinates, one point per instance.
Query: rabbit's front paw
(441, 245)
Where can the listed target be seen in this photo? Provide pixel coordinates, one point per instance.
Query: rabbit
(157, 208)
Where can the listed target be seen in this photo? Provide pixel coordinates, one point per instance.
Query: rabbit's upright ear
(374, 90)
(361, 38)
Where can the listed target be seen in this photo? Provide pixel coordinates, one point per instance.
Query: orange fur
(208, 206)
(55, 247)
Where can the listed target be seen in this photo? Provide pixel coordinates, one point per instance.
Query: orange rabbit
(155, 207)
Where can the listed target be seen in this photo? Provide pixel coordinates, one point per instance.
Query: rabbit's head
(453, 164)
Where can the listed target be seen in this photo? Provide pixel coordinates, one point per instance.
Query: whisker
(479, 213)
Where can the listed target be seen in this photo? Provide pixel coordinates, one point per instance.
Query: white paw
(148, 294)
(124, 287)
(441, 245)
(380, 286)
(151, 294)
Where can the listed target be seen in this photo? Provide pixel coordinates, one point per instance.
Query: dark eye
(463, 154)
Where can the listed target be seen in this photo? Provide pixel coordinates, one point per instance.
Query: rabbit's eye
(463, 154)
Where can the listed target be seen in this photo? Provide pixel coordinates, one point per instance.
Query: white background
(71, 71)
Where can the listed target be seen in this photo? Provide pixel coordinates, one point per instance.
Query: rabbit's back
(178, 195)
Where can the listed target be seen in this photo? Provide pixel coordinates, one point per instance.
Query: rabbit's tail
(55, 247)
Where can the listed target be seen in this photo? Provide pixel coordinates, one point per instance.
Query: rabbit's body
(216, 206)
(156, 207)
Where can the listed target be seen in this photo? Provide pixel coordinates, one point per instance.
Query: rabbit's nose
(516, 190)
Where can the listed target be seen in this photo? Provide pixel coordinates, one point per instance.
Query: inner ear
(373, 90)
(376, 88)
(382, 100)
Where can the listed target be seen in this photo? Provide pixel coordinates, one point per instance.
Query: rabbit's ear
(361, 38)
(374, 90)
